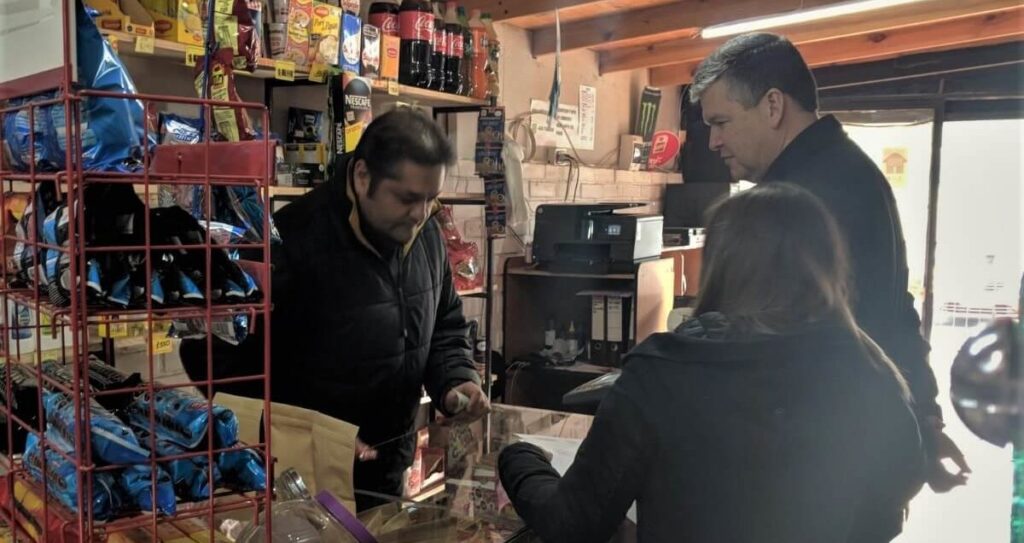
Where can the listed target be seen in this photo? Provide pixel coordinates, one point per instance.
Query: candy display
(137, 484)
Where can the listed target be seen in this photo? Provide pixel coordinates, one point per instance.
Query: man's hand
(472, 404)
(941, 479)
(364, 452)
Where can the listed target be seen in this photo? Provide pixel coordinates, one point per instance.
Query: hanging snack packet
(62, 479)
(175, 129)
(243, 470)
(137, 484)
(182, 418)
(112, 441)
(231, 123)
(190, 476)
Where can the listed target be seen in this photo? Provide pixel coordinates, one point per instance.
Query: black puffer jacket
(356, 334)
(776, 439)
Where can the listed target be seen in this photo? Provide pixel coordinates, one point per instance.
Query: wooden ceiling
(664, 35)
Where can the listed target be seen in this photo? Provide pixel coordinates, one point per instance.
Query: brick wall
(545, 183)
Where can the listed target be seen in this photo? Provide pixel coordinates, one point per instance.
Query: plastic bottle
(467, 56)
(550, 335)
(494, 58)
(478, 67)
(439, 51)
(456, 44)
(416, 28)
(384, 15)
(573, 340)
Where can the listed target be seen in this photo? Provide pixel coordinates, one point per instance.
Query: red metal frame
(72, 324)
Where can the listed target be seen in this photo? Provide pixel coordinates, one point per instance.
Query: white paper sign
(588, 117)
(553, 134)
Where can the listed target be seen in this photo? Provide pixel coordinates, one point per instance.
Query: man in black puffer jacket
(365, 311)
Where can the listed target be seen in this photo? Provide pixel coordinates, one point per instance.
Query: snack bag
(62, 479)
(112, 441)
(230, 123)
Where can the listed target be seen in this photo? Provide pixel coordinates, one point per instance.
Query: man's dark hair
(754, 63)
(401, 134)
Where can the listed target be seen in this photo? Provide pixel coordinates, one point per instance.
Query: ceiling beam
(651, 25)
(505, 10)
(990, 28)
(686, 51)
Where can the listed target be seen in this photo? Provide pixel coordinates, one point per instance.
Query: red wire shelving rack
(27, 507)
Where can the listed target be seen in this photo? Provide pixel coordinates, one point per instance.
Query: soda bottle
(467, 57)
(478, 67)
(494, 56)
(384, 15)
(456, 43)
(439, 52)
(416, 28)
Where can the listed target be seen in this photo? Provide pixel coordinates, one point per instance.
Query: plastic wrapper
(243, 470)
(23, 402)
(175, 129)
(136, 482)
(101, 378)
(62, 479)
(463, 256)
(230, 123)
(112, 441)
(190, 476)
(182, 418)
(232, 330)
(28, 137)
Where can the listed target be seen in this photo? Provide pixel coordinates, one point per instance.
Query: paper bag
(320, 448)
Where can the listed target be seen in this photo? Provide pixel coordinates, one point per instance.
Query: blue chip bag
(243, 470)
(28, 137)
(62, 479)
(112, 441)
(137, 484)
(190, 476)
(182, 418)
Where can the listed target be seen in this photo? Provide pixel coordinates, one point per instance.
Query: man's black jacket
(356, 334)
(825, 161)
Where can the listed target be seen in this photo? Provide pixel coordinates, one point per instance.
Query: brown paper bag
(320, 448)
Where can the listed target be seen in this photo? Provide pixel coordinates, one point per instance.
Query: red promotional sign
(664, 148)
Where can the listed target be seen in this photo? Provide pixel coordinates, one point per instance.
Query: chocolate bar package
(62, 479)
(112, 441)
(182, 418)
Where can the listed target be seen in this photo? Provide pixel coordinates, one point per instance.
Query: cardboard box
(325, 34)
(371, 51)
(128, 16)
(351, 44)
(300, 23)
(308, 162)
(184, 27)
(389, 48)
(353, 111)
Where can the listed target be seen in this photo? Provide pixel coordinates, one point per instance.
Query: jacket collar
(354, 217)
(822, 134)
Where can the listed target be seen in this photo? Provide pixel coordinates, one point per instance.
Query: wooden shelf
(472, 293)
(425, 97)
(288, 191)
(547, 273)
(463, 198)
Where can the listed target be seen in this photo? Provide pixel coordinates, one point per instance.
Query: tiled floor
(980, 511)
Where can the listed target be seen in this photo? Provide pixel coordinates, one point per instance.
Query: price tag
(192, 54)
(284, 70)
(318, 72)
(145, 44)
(392, 87)
(162, 344)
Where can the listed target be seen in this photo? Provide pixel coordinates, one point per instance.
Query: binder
(617, 332)
(597, 329)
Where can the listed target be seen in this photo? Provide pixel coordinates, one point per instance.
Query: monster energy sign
(647, 118)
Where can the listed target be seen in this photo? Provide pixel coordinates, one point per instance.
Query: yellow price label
(145, 44)
(193, 54)
(318, 72)
(113, 330)
(162, 345)
(45, 320)
(284, 70)
(392, 87)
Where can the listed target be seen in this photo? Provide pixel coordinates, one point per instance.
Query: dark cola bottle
(416, 29)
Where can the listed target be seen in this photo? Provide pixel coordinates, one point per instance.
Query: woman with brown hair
(768, 417)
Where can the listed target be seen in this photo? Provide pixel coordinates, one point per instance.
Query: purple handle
(345, 517)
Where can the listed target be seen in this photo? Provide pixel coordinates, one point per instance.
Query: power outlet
(560, 156)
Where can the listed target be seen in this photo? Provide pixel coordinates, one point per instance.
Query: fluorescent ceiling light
(798, 16)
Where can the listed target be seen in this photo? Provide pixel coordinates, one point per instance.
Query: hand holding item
(941, 479)
(466, 403)
(364, 452)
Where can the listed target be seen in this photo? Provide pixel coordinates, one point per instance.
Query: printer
(594, 238)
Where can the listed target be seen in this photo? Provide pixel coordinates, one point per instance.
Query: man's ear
(773, 107)
(361, 182)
